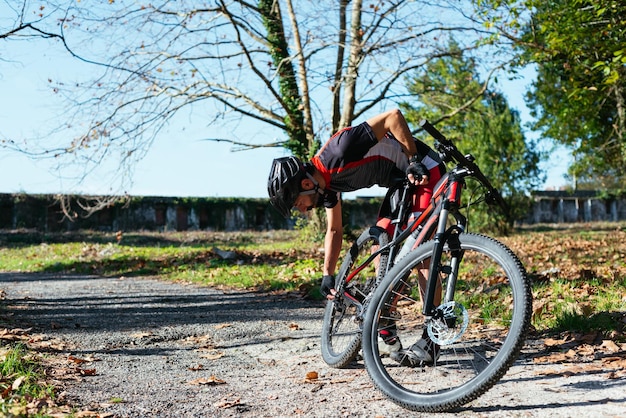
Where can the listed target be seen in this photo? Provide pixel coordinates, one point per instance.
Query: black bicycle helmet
(283, 185)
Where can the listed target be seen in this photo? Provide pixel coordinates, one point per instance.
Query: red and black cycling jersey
(354, 159)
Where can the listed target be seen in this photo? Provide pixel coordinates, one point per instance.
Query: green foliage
(570, 320)
(485, 127)
(579, 95)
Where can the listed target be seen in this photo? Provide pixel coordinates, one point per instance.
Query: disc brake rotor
(448, 324)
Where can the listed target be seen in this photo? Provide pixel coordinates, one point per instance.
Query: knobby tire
(494, 292)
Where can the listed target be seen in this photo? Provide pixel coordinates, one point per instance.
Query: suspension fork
(443, 236)
(433, 271)
(456, 256)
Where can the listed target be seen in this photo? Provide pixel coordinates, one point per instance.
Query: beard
(317, 201)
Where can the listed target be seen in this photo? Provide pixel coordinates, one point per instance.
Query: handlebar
(450, 152)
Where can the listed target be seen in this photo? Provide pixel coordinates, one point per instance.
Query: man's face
(305, 202)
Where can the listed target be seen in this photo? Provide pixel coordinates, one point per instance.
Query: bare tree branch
(245, 146)
(151, 62)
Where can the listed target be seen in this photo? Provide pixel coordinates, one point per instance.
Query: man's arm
(393, 121)
(333, 239)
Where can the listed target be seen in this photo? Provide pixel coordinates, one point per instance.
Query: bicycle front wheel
(343, 319)
(479, 333)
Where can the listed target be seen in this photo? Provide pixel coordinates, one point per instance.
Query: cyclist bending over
(375, 152)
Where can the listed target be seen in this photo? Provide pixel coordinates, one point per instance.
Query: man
(375, 152)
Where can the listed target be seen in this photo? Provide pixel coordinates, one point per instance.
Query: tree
(480, 122)
(578, 98)
(301, 73)
(580, 94)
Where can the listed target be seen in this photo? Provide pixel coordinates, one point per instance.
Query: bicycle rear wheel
(342, 324)
(480, 337)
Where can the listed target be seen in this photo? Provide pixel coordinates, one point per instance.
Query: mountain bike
(367, 261)
(467, 292)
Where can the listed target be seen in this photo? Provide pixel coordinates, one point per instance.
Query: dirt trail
(169, 350)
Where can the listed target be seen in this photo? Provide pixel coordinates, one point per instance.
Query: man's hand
(417, 173)
(327, 287)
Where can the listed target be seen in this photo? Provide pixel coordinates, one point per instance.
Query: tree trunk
(620, 124)
(304, 85)
(352, 72)
(291, 99)
(341, 50)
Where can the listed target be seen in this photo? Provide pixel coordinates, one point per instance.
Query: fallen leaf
(227, 403)
(37, 404)
(571, 354)
(551, 342)
(212, 356)
(552, 358)
(586, 350)
(18, 331)
(196, 368)
(616, 374)
(211, 381)
(141, 334)
(85, 414)
(17, 382)
(588, 338)
(538, 308)
(610, 346)
(312, 376)
(87, 372)
(199, 340)
(222, 326)
(615, 362)
(294, 327)
(571, 371)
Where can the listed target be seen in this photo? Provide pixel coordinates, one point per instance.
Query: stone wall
(571, 207)
(43, 212)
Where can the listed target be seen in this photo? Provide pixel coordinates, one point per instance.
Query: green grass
(264, 260)
(581, 305)
(21, 382)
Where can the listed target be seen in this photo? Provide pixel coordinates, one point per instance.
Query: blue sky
(179, 163)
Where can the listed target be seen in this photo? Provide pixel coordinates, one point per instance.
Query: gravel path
(158, 349)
